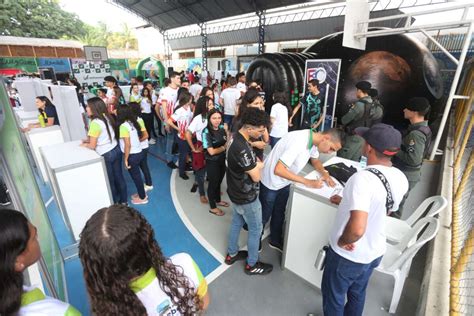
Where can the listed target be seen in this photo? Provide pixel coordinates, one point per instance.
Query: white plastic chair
(397, 259)
(396, 229)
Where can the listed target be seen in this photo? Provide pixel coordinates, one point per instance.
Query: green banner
(16, 160)
(25, 64)
(118, 64)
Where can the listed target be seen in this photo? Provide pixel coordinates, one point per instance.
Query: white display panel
(73, 171)
(39, 137)
(28, 89)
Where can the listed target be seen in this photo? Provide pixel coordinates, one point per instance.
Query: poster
(16, 162)
(60, 65)
(90, 73)
(195, 64)
(326, 71)
(119, 69)
(25, 64)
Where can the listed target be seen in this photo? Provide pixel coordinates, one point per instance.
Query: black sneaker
(172, 165)
(184, 177)
(258, 268)
(241, 255)
(194, 188)
(275, 246)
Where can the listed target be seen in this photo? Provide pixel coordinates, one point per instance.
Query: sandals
(223, 203)
(218, 213)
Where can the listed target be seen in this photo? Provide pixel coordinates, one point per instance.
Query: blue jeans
(251, 214)
(228, 120)
(273, 141)
(199, 176)
(274, 206)
(113, 164)
(145, 169)
(134, 161)
(343, 277)
(169, 146)
(184, 151)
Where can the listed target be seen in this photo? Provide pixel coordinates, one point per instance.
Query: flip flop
(223, 203)
(219, 213)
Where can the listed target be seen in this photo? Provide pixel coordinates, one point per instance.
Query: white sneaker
(137, 200)
(148, 188)
(152, 141)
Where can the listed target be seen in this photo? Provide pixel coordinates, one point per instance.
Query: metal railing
(462, 230)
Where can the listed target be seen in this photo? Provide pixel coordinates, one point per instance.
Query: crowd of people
(223, 131)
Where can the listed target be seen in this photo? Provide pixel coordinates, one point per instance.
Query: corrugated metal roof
(31, 41)
(169, 14)
(308, 29)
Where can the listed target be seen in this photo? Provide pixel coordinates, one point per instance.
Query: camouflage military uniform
(355, 118)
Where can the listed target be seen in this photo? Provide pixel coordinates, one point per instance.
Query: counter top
(68, 154)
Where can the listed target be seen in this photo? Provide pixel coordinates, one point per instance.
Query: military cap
(363, 85)
(418, 104)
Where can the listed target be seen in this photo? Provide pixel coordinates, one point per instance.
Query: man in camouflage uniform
(415, 143)
(363, 113)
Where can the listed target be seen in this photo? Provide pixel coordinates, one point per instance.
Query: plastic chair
(396, 229)
(397, 259)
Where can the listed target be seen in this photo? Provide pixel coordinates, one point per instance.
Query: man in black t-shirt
(243, 176)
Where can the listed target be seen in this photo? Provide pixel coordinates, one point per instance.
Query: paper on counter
(326, 191)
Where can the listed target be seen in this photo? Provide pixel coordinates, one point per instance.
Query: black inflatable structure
(398, 66)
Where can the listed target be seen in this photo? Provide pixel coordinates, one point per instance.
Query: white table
(79, 181)
(309, 219)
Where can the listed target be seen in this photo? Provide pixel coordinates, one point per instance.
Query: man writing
(357, 240)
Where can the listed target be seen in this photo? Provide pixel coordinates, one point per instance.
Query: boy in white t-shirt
(228, 99)
(357, 240)
(282, 166)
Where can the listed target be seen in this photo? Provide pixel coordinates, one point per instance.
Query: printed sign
(25, 64)
(58, 64)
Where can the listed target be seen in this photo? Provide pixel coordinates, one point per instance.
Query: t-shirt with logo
(293, 150)
(198, 124)
(143, 143)
(280, 126)
(214, 139)
(98, 129)
(312, 108)
(35, 303)
(145, 104)
(128, 130)
(169, 95)
(241, 158)
(230, 97)
(365, 192)
(182, 118)
(152, 296)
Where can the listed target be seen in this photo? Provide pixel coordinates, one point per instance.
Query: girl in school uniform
(47, 114)
(135, 94)
(133, 277)
(19, 249)
(131, 135)
(180, 120)
(102, 138)
(146, 112)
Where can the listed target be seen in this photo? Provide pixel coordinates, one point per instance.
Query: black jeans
(148, 120)
(144, 167)
(184, 151)
(215, 173)
(134, 161)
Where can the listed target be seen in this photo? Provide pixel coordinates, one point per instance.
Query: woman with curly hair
(126, 272)
(19, 249)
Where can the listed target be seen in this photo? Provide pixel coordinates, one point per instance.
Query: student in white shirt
(101, 137)
(228, 99)
(133, 277)
(241, 86)
(195, 88)
(279, 115)
(131, 136)
(19, 249)
(357, 240)
(179, 121)
(282, 167)
(146, 112)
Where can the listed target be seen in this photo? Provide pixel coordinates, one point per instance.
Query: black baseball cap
(418, 104)
(383, 137)
(364, 86)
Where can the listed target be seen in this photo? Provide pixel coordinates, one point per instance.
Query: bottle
(363, 162)
(321, 259)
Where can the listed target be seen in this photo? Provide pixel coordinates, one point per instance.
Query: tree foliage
(100, 35)
(38, 18)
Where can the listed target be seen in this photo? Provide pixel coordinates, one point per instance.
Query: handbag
(199, 159)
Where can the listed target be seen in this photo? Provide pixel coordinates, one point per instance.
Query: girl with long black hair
(102, 138)
(146, 114)
(133, 277)
(131, 134)
(47, 114)
(19, 249)
(214, 140)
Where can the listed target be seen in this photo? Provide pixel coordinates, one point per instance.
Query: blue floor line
(171, 233)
